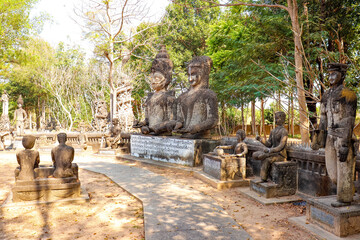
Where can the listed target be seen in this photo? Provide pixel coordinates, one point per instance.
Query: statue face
(334, 78)
(279, 119)
(195, 72)
(158, 81)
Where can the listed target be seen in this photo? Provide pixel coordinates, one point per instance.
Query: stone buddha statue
(197, 109)
(160, 104)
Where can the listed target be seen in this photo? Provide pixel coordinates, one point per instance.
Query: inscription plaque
(173, 150)
(212, 167)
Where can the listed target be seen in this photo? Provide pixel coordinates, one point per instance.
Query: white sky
(64, 29)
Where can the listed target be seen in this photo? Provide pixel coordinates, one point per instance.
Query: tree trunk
(242, 118)
(263, 118)
(292, 115)
(253, 120)
(304, 122)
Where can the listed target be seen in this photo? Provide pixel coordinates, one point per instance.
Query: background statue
(275, 150)
(62, 157)
(114, 134)
(337, 118)
(197, 109)
(5, 103)
(28, 159)
(20, 117)
(101, 115)
(160, 104)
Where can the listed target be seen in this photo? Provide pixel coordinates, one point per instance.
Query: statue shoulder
(349, 95)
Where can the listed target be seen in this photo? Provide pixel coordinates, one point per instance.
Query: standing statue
(28, 159)
(197, 109)
(275, 150)
(101, 115)
(5, 103)
(160, 104)
(337, 118)
(20, 117)
(62, 157)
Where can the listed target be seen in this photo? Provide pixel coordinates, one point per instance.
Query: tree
(109, 24)
(292, 9)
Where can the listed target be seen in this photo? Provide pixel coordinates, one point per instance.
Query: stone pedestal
(116, 151)
(225, 168)
(283, 182)
(177, 150)
(342, 221)
(44, 188)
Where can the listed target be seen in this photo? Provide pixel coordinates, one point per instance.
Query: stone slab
(341, 221)
(223, 167)
(218, 184)
(269, 201)
(170, 149)
(8, 203)
(318, 231)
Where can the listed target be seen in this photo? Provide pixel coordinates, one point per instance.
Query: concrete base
(226, 167)
(317, 231)
(114, 152)
(82, 198)
(218, 184)
(187, 152)
(341, 221)
(268, 201)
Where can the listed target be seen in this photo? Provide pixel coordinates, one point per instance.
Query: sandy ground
(111, 213)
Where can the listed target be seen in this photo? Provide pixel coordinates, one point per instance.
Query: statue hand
(178, 125)
(267, 150)
(314, 146)
(343, 152)
(258, 138)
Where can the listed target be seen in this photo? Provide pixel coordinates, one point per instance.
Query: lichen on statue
(160, 104)
(197, 109)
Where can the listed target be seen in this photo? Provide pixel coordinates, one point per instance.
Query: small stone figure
(114, 134)
(337, 118)
(83, 139)
(240, 149)
(197, 109)
(101, 115)
(28, 159)
(62, 157)
(160, 104)
(5, 103)
(275, 150)
(20, 117)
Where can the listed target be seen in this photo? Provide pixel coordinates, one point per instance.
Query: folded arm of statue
(318, 139)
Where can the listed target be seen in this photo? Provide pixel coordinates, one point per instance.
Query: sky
(64, 29)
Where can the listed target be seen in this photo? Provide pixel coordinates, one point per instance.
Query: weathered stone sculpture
(197, 109)
(28, 159)
(114, 134)
(5, 103)
(338, 111)
(160, 104)
(275, 146)
(62, 157)
(101, 115)
(20, 117)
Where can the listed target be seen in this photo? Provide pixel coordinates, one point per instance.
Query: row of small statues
(193, 114)
(334, 133)
(61, 155)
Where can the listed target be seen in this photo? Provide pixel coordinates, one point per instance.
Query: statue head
(161, 70)
(240, 135)
(280, 118)
(337, 73)
(115, 121)
(62, 137)
(199, 70)
(20, 101)
(28, 141)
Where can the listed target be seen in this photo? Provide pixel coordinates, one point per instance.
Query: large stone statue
(20, 117)
(338, 111)
(62, 157)
(160, 104)
(28, 159)
(275, 150)
(197, 109)
(5, 103)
